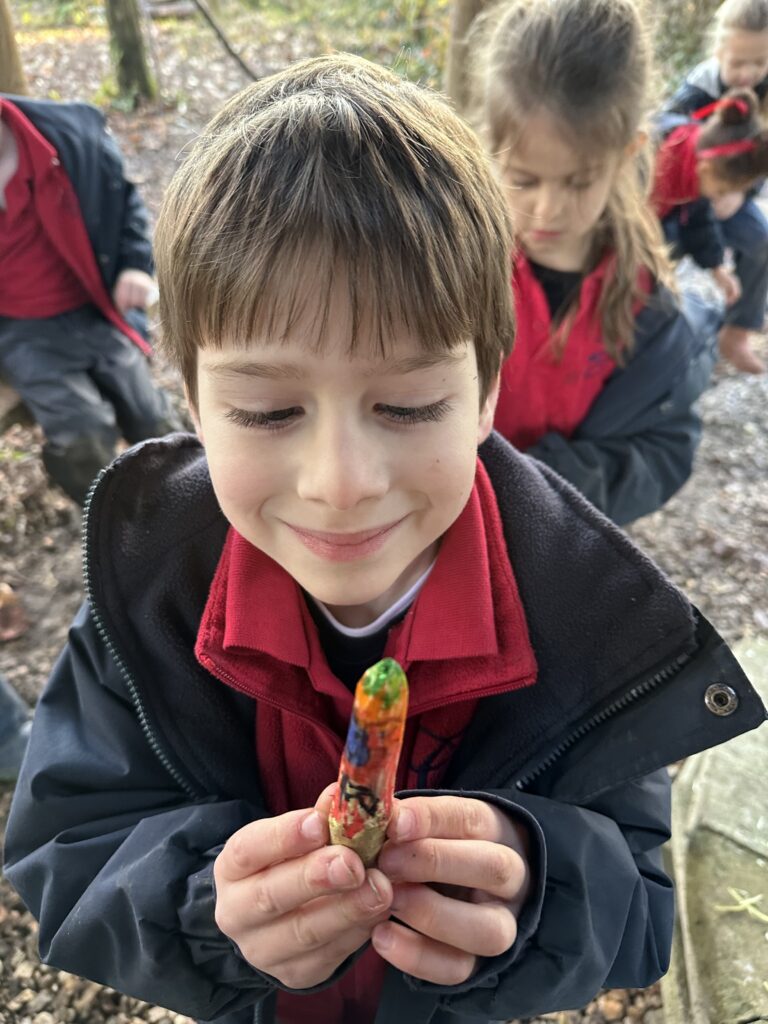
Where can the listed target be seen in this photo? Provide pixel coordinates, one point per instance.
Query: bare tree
(129, 54)
(463, 13)
(11, 73)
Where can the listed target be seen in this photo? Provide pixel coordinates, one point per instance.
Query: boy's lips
(339, 546)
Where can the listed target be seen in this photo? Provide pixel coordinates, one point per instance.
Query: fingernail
(382, 938)
(371, 896)
(312, 827)
(340, 873)
(405, 824)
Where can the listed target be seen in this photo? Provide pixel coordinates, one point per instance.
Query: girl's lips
(540, 236)
(345, 547)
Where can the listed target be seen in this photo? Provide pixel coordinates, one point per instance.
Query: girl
(607, 362)
(699, 166)
(739, 60)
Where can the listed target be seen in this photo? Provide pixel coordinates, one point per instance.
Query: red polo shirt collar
(468, 612)
(40, 154)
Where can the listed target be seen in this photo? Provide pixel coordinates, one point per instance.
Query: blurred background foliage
(411, 35)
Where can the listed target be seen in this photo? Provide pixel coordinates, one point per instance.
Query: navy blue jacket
(703, 86)
(114, 215)
(636, 446)
(141, 764)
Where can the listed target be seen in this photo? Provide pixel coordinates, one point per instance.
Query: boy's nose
(342, 469)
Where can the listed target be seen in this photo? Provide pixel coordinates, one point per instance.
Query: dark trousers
(87, 385)
(746, 232)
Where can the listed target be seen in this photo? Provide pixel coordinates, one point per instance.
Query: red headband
(733, 101)
(727, 149)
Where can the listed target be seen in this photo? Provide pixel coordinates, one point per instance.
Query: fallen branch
(223, 39)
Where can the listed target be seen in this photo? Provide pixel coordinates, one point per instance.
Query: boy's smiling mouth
(342, 546)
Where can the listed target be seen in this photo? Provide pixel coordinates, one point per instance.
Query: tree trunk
(11, 73)
(129, 55)
(463, 13)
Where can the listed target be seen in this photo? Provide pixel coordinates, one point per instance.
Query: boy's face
(743, 58)
(346, 470)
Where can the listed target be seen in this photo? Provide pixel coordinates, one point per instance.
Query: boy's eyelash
(281, 418)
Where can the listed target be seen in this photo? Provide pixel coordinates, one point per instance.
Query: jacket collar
(468, 612)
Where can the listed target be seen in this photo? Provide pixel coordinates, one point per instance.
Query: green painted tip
(386, 679)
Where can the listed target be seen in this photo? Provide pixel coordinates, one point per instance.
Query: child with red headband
(739, 60)
(706, 164)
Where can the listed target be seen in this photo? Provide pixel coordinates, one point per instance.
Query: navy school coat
(141, 764)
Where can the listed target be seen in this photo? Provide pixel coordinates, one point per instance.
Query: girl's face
(556, 194)
(743, 58)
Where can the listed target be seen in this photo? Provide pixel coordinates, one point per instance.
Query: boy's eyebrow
(292, 371)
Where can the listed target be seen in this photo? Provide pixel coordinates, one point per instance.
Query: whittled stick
(362, 805)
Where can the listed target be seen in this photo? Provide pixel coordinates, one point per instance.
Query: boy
(75, 280)
(334, 268)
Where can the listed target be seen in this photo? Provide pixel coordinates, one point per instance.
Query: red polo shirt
(34, 279)
(546, 386)
(44, 192)
(465, 637)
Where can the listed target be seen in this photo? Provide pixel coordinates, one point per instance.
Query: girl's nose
(342, 466)
(549, 204)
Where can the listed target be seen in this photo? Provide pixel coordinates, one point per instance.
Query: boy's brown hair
(332, 167)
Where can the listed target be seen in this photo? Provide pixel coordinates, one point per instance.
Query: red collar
(468, 612)
(36, 154)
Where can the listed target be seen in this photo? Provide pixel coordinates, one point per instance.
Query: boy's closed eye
(279, 419)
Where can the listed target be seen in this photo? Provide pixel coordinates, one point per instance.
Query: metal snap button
(721, 699)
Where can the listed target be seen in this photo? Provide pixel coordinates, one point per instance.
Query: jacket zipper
(104, 636)
(624, 701)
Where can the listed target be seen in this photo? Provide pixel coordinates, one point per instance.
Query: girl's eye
(414, 414)
(582, 186)
(275, 420)
(519, 183)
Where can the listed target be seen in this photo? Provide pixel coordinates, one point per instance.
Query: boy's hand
(296, 907)
(728, 283)
(134, 289)
(460, 872)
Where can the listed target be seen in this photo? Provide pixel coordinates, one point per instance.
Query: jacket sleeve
(113, 856)
(134, 246)
(636, 447)
(700, 235)
(687, 99)
(606, 912)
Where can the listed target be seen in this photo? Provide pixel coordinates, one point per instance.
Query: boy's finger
(323, 802)
(270, 841)
(449, 817)
(280, 889)
(484, 929)
(473, 864)
(326, 926)
(422, 957)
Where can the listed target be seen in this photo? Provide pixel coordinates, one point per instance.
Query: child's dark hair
(742, 15)
(734, 140)
(588, 64)
(335, 170)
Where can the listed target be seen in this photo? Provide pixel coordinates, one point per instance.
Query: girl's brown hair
(742, 15)
(588, 64)
(734, 140)
(335, 170)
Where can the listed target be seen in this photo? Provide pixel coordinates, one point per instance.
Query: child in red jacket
(704, 166)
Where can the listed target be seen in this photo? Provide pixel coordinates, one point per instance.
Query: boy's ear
(488, 410)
